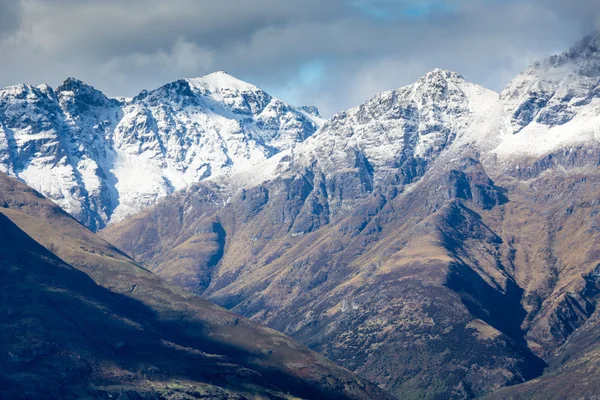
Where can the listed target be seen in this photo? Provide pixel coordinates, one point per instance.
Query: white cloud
(183, 59)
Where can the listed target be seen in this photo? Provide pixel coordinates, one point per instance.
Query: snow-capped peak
(18, 90)
(86, 94)
(551, 93)
(221, 80)
(440, 75)
(397, 134)
(102, 159)
(583, 58)
(75, 85)
(45, 88)
(585, 53)
(311, 110)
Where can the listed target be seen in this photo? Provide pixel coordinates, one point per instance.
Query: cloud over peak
(333, 54)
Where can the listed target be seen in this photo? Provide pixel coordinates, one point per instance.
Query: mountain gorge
(440, 240)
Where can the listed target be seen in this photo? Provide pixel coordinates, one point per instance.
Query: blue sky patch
(411, 9)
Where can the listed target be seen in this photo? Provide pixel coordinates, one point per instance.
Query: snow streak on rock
(103, 159)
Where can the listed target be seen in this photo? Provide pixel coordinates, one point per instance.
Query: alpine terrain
(102, 159)
(441, 240)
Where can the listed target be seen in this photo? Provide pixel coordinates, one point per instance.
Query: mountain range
(440, 240)
(103, 159)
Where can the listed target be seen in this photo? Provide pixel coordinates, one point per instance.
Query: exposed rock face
(312, 110)
(102, 159)
(104, 327)
(394, 137)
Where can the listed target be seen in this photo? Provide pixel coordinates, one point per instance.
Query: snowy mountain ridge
(554, 104)
(395, 137)
(103, 159)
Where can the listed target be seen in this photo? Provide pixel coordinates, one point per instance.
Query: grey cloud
(144, 26)
(580, 11)
(10, 17)
(122, 47)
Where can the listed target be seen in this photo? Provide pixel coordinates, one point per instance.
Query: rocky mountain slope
(79, 319)
(102, 159)
(440, 239)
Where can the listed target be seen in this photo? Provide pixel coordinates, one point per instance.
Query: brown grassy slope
(577, 379)
(563, 280)
(405, 290)
(63, 336)
(574, 371)
(180, 317)
(551, 243)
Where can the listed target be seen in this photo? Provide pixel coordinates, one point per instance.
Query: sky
(334, 54)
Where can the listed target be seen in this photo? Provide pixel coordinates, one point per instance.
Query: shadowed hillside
(121, 331)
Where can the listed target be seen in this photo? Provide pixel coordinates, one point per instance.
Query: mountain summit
(222, 81)
(555, 102)
(102, 159)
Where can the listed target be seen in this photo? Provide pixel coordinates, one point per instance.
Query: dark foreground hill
(79, 319)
